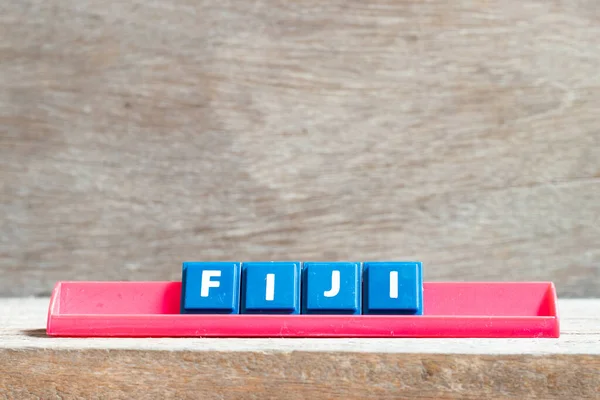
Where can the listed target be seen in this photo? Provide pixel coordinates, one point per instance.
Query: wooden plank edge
(123, 374)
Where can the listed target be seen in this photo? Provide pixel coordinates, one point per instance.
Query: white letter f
(207, 283)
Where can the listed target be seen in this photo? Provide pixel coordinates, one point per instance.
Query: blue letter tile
(271, 288)
(393, 288)
(331, 288)
(210, 288)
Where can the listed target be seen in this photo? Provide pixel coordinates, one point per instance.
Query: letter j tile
(331, 288)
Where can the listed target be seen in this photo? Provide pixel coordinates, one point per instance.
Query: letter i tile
(270, 288)
(331, 288)
(393, 288)
(210, 287)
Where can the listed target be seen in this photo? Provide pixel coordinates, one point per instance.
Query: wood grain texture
(136, 135)
(121, 374)
(35, 366)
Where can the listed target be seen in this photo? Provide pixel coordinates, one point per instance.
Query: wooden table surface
(33, 365)
(135, 135)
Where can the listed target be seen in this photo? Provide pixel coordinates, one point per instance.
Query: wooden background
(138, 134)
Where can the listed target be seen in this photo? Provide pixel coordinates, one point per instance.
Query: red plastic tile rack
(450, 310)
